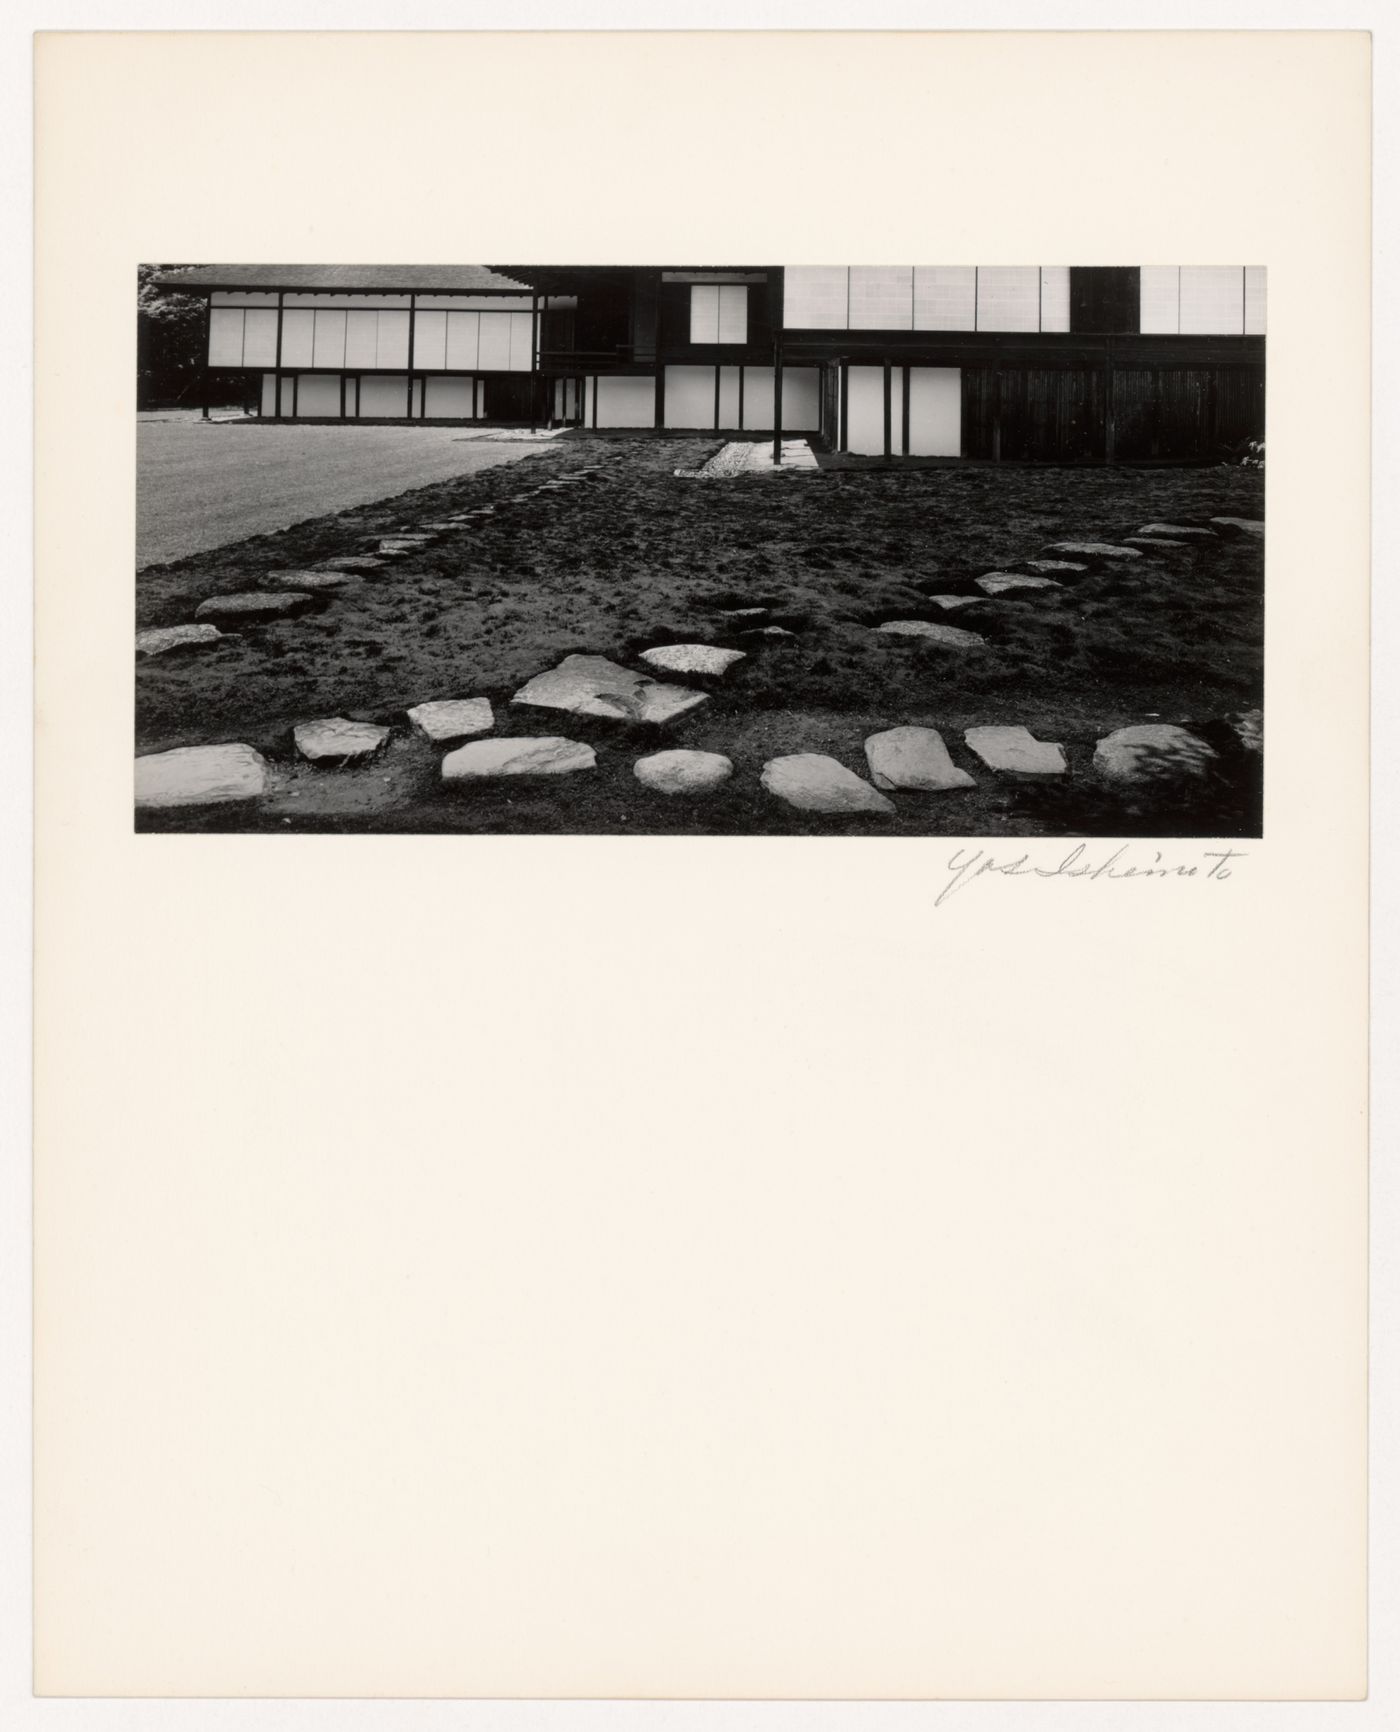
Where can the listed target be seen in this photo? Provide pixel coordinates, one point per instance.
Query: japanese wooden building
(1000, 363)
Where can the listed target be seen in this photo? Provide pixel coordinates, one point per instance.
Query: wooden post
(412, 338)
(204, 370)
(277, 360)
(889, 450)
(534, 357)
(778, 401)
(996, 412)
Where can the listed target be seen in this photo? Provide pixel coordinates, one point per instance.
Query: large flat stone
(200, 776)
(1095, 549)
(158, 639)
(683, 772)
(1177, 531)
(353, 562)
(593, 686)
(337, 740)
(768, 631)
(815, 783)
(446, 719)
(1152, 752)
(1043, 565)
(1016, 751)
(692, 658)
(745, 612)
(1245, 525)
(953, 636)
(326, 578)
(949, 602)
(541, 755)
(255, 605)
(1157, 541)
(1008, 582)
(914, 758)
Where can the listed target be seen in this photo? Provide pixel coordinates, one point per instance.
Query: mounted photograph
(727, 550)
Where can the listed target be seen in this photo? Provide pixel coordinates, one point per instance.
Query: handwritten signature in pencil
(967, 867)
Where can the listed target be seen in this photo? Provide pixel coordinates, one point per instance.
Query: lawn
(639, 557)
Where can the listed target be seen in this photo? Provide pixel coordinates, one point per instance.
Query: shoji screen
(690, 396)
(1255, 300)
(704, 312)
(1054, 297)
(298, 336)
(328, 339)
(463, 334)
(1160, 299)
(935, 412)
(815, 297)
(495, 343)
(945, 298)
(430, 341)
(392, 346)
(882, 297)
(1008, 298)
(226, 337)
(522, 341)
(361, 339)
(260, 337)
(1212, 300)
(865, 410)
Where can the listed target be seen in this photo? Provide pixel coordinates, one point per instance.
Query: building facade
(1060, 364)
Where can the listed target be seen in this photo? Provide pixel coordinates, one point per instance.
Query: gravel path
(201, 485)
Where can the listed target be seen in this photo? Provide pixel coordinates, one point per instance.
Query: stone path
(908, 760)
(754, 457)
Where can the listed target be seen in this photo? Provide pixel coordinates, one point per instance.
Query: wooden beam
(412, 338)
(204, 370)
(778, 400)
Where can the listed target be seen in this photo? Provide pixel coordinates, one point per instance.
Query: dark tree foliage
(169, 341)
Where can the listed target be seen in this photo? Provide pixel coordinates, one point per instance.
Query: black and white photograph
(724, 549)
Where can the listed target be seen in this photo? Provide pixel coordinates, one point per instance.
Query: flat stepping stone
(1007, 582)
(744, 612)
(337, 740)
(1153, 541)
(951, 601)
(1016, 751)
(815, 783)
(199, 776)
(540, 755)
(594, 686)
(354, 562)
(158, 639)
(1178, 531)
(399, 544)
(1043, 565)
(254, 605)
(768, 631)
(951, 635)
(682, 772)
(1095, 549)
(1152, 752)
(914, 758)
(1245, 525)
(445, 719)
(692, 658)
(311, 581)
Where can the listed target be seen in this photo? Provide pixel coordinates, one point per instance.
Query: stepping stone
(1178, 531)
(744, 612)
(913, 758)
(1004, 582)
(446, 719)
(926, 628)
(1056, 565)
(952, 601)
(338, 740)
(158, 639)
(1153, 541)
(255, 605)
(815, 783)
(404, 544)
(594, 686)
(1152, 752)
(310, 580)
(1245, 525)
(692, 658)
(199, 776)
(683, 772)
(769, 631)
(1095, 549)
(1016, 751)
(354, 562)
(536, 756)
